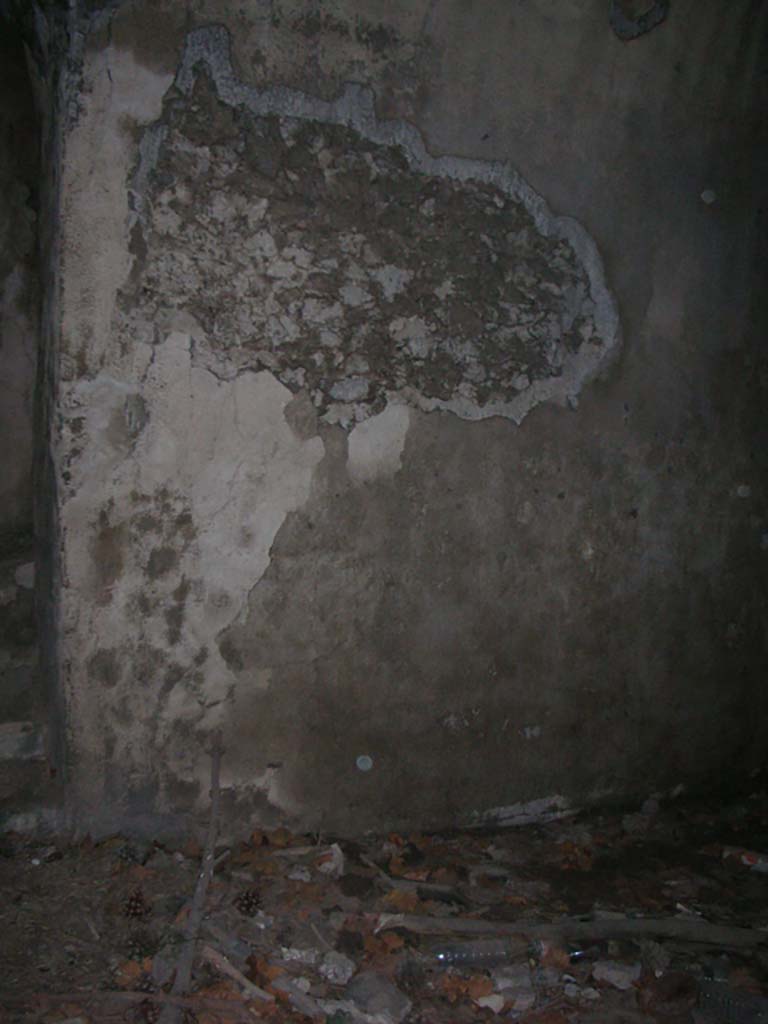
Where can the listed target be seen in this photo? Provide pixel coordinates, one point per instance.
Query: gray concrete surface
(410, 407)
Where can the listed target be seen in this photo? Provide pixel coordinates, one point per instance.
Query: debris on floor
(656, 915)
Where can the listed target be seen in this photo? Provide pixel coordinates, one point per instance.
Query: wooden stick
(181, 983)
(684, 929)
(220, 962)
(410, 885)
(299, 1000)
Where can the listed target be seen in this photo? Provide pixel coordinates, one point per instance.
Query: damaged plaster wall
(345, 273)
(337, 471)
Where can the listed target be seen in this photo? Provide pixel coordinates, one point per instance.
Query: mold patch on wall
(311, 240)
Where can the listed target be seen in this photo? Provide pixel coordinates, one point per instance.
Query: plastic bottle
(493, 952)
(479, 952)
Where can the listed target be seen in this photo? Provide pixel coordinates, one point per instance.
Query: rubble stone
(621, 976)
(377, 996)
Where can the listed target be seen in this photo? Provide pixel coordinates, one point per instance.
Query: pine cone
(248, 902)
(135, 905)
(127, 854)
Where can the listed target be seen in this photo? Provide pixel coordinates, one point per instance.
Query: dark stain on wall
(104, 667)
(108, 555)
(161, 561)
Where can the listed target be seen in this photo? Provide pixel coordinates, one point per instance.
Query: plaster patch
(204, 486)
(376, 445)
(118, 94)
(461, 291)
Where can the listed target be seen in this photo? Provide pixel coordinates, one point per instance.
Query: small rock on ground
(375, 995)
(621, 976)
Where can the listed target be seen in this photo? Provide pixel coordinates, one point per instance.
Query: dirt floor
(656, 915)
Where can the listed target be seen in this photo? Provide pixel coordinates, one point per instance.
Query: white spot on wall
(376, 445)
(525, 514)
(587, 551)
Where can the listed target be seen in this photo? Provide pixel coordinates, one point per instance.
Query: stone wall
(409, 411)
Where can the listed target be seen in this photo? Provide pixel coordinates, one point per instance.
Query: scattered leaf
(445, 876)
(224, 989)
(192, 849)
(262, 972)
(181, 917)
(280, 837)
(453, 987)
(552, 955)
(575, 858)
(396, 866)
(417, 874)
(256, 861)
(403, 902)
(128, 973)
(281, 996)
(479, 985)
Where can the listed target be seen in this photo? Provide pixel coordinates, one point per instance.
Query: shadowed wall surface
(409, 397)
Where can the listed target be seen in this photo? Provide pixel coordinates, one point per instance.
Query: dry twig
(683, 929)
(220, 962)
(183, 977)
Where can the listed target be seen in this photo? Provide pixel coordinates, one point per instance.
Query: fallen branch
(297, 851)
(299, 1000)
(181, 983)
(410, 885)
(224, 1006)
(220, 962)
(684, 929)
(231, 945)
